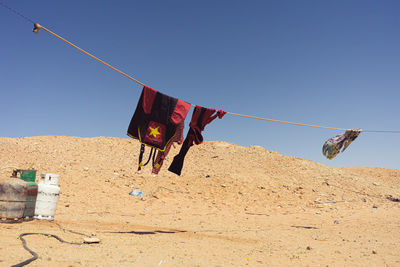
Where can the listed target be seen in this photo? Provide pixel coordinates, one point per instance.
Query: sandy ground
(233, 206)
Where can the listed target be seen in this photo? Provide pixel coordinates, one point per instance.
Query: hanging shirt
(156, 118)
(200, 118)
(332, 146)
(155, 121)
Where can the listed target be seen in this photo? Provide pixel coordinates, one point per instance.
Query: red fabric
(155, 133)
(200, 118)
(178, 138)
(195, 117)
(208, 117)
(220, 114)
(180, 112)
(149, 94)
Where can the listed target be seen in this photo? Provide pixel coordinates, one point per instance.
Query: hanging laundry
(178, 138)
(155, 121)
(200, 118)
(333, 145)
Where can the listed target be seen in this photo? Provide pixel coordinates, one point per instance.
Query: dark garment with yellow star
(155, 120)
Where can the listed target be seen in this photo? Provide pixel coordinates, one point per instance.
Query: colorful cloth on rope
(155, 120)
(200, 118)
(333, 145)
(178, 138)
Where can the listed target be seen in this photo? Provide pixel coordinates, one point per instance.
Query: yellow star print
(154, 131)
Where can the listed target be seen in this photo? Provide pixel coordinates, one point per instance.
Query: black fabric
(141, 157)
(200, 118)
(177, 164)
(152, 153)
(162, 109)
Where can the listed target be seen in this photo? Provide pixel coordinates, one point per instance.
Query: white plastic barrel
(47, 198)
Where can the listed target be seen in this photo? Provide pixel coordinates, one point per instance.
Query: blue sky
(330, 63)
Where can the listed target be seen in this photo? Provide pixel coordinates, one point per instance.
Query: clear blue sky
(331, 63)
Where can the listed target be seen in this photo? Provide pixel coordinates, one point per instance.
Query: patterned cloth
(155, 123)
(333, 145)
(178, 138)
(156, 118)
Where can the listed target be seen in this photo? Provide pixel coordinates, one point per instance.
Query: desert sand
(232, 206)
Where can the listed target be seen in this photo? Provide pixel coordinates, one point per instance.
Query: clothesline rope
(38, 26)
(16, 12)
(287, 122)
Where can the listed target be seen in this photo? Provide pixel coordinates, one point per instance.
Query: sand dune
(232, 206)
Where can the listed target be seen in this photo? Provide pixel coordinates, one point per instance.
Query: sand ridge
(232, 206)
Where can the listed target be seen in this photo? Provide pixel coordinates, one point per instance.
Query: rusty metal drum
(13, 195)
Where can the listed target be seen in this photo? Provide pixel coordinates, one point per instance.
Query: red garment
(156, 118)
(178, 138)
(155, 121)
(200, 118)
